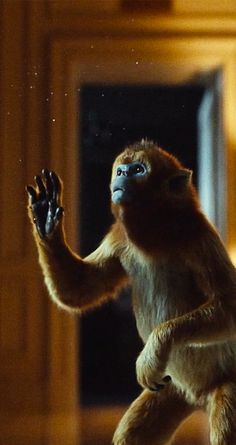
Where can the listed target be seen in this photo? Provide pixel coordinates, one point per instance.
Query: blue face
(130, 170)
(124, 187)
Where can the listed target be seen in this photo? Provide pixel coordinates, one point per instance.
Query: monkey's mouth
(122, 190)
(121, 194)
(118, 189)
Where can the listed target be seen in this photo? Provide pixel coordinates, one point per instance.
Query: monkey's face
(126, 177)
(148, 178)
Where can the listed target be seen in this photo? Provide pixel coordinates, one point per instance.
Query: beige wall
(47, 49)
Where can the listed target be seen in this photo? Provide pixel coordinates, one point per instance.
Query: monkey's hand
(152, 362)
(44, 203)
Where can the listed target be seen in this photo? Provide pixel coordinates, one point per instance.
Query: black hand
(44, 201)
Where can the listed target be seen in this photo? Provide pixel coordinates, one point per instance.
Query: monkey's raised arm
(74, 283)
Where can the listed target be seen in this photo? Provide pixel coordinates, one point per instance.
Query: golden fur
(184, 300)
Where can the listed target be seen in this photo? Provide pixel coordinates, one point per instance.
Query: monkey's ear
(180, 180)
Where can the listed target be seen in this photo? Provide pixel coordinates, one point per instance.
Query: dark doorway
(111, 117)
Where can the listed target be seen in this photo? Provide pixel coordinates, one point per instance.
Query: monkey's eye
(132, 169)
(138, 169)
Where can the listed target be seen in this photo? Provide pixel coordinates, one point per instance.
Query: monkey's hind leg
(222, 415)
(152, 418)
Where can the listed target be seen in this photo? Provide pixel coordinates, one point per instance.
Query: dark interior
(111, 117)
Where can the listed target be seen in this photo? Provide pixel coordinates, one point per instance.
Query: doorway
(113, 116)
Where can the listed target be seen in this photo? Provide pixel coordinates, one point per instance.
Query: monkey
(183, 290)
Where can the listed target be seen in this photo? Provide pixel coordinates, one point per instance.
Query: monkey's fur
(184, 291)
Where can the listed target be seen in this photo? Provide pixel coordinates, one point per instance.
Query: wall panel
(22, 296)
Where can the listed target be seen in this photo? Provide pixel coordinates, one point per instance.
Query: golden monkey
(184, 290)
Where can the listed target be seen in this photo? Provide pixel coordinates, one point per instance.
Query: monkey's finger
(167, 379)
(31, 193)
(56, 186)
(48, 183)
(58, 216)
(41, 186)
(157, 387)
(59, 213)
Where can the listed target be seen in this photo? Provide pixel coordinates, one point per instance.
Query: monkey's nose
(126, 171)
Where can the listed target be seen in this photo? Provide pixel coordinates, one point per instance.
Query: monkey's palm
(45, 203)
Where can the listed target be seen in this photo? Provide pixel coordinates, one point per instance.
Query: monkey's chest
(161, 292)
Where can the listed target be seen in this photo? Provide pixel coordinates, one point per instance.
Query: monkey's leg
(222, 415)
(152, 418)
